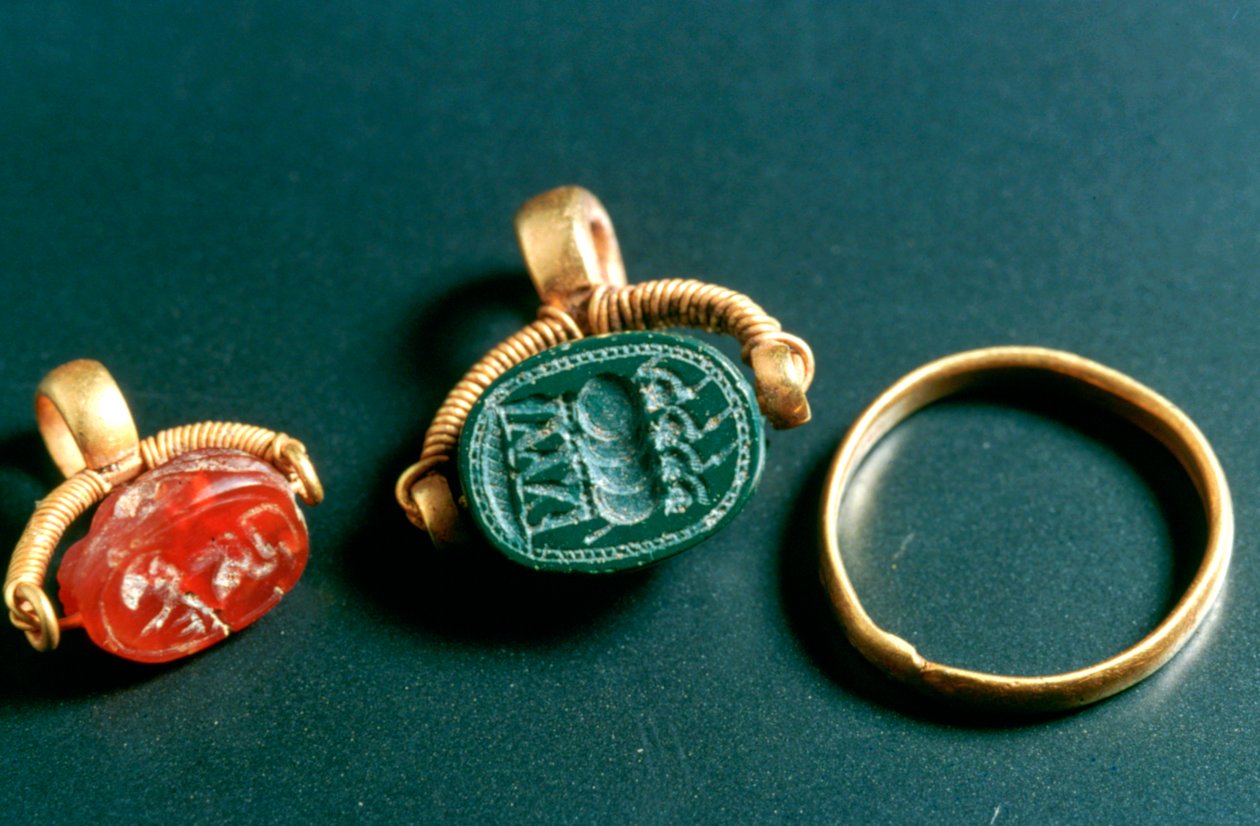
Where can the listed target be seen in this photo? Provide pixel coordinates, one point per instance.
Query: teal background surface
(299, 216)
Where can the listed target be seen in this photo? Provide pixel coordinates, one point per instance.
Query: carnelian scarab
(197, 535)
(199, 547)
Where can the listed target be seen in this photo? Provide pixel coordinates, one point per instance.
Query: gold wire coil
(551, 328)
(30, 609)
(285, 453)
(685, 302)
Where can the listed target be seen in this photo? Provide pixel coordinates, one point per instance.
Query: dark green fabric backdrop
(299, 215)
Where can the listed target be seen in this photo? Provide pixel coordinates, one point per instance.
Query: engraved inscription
(197, 548)
(611, 452)
(154, 588)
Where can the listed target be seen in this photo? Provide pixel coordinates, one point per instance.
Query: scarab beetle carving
(611, 452)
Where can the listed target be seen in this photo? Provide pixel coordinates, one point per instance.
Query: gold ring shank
(1095, 384)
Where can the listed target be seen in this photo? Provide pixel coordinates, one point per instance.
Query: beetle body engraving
(611, 452)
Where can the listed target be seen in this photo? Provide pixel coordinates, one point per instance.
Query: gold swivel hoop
(1095, 384)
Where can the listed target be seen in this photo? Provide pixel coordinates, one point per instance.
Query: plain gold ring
(1095, 384)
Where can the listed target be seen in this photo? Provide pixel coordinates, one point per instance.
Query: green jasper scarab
(612, 452)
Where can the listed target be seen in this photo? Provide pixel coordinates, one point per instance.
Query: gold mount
(571, 252)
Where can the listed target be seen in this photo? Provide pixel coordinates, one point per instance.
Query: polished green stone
(612, 452)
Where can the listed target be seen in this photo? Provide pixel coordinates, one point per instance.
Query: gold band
(1095, 384)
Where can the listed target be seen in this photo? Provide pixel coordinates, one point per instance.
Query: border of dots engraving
(703, 361)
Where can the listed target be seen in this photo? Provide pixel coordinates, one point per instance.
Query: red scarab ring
(197, 535)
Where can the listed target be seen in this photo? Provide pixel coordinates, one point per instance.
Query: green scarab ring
(589, 441)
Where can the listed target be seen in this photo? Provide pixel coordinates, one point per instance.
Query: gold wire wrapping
(287, 454)
(30, 610)
(29, 565)
(553, 326)
(671, 302)
(685, 302)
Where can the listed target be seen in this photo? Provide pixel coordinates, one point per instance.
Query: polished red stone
(201, 546)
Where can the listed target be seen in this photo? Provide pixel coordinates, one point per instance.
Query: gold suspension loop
(1095, 384)
(85, 421)
(569, 245)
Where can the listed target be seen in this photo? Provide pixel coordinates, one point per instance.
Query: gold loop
(85, 421)
(435, 510)
(1096, 384)
(569, 245)
(404, 496)
(33, 613)
(802, 356)
(297, 462)
(783, 367)
(405, 488)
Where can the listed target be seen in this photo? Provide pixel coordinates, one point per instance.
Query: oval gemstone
(188, 552)
(611, 452)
